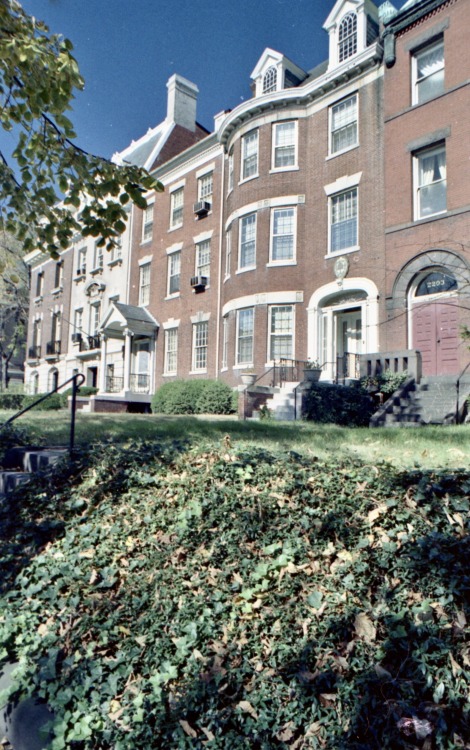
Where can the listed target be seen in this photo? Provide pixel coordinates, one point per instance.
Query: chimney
(182, 101)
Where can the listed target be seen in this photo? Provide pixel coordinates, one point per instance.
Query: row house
(325, 218)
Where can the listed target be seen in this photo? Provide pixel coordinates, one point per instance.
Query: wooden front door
(436, 336)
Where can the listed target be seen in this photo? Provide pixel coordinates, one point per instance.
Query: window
(200, 336)
(281, 332)
(98, 257)
(228, 252)
(37, 325)
(245, 329)
(428, 72)
(270, 80)
(225, 342)
(174, 273)
(40, 284)
(205, 187)
(250, 155)
(171, 351)
(144, 284)
(247, 255)
(78, 321)
(284, 145)
(56, 327)
(282, 234)
(343, 125)
(115, 253)
(230, 171)
(347, 37)
(343, 221)
(59, 274)
(435, 282)
(95, 313)
(35, 383)
(431, 191)
(147, 223)
(81, 261)
(203, 259)
(177, 203)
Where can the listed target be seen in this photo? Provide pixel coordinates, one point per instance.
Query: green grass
(424, 446)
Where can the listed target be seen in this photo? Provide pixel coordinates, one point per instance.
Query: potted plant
(312, 371)
(248, 377)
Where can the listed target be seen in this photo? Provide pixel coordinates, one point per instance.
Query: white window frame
(245, 362)
(81, 260)
(278, 148)
(228, 252)
(40, 284)
(283, 261)
(144, 284)
(432, 46)
(273, 334)
(231, 171)
(59, 275)
(95, 315)
(331, 203)
(250, 154)
(349, 43)
(224, 342)
(243, 221)
(78, 320)
(205, 187)
(270, 78)
(147, 222)
(335, 152)
(419, 187)
(200, 346)
(170, 366)
(98, 257)
(174, 262)
(202, 248)
(176, 208)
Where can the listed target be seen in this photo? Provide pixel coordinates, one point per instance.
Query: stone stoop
(282, 404)
(21, 463)
(432, 401)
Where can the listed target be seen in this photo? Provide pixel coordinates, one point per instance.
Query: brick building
(325, 218)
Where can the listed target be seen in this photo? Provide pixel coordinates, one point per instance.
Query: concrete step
(10, 480)
(27, 458)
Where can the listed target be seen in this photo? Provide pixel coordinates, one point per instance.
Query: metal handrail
(77, 380)
(457, 387)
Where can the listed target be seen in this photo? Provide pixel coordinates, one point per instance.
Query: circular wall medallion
(341, 268)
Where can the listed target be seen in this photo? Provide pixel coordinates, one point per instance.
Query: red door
(436, 335)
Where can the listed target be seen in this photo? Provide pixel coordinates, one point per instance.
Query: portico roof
(120, 317)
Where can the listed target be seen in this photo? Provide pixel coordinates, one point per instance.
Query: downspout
(219, 284)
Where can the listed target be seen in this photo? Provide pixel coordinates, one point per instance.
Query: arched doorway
(53, 378)
(435, 320)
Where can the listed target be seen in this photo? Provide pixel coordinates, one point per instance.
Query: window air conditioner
(199, 282)
(76, 338)
(201, 208)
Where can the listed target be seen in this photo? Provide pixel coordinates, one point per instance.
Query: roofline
(404, 18)
(189, 153)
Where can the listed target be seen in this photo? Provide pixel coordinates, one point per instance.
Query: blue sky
(127, 50)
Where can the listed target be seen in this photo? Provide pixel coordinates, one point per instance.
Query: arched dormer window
(347, 38)
(270, 80)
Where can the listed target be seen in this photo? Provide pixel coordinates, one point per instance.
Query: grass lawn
(428, 447)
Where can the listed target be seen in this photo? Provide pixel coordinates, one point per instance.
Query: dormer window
(270, 80)
(347, 38)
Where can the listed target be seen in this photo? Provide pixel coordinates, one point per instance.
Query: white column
(127, 358)
(104, 354)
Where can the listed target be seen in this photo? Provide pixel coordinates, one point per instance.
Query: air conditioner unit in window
(199, 282)
(201, 208)
(76, 338)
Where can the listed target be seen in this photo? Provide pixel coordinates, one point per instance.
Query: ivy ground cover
(165, 596)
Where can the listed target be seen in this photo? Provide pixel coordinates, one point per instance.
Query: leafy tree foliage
(14, 296)
(38, 78)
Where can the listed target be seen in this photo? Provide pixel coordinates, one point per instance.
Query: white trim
(352, 248)
(200, 317)
(170, 323)
(205, 170)
(342, 184)
(174, 248)
(290, 167)
(146, 259)
(250, 208)
(202, 237)
(331, 153)
(288, 261)
(266, 298)
(177, 186)
(270, 362)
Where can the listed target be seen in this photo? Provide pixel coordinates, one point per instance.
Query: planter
(312, 375)
(248, 378)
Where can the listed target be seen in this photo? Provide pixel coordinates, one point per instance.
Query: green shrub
(52, 403)
(11, 400)
(84, 390)
(387, 382)
(193, 397)
(336, 404)
(215, 398)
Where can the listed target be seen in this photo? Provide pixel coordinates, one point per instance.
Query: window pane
(430, 72)
(284, 150)
(432, 187)
(200, 338)
(344, 125)
(348, 37)
(245, 336)
(270, 80)
(203, 259)
(174, 266)
(281, 332)
(344, 221)
(248, 241)
(283, 234)
(177, 207)
(171, 350)
(250, 155)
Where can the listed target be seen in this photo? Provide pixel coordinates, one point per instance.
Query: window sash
(250, 155)
(429, 65)
(203, 259)
(432, 183)
(228, 252)
(245, 330)
(247, 241)
(205, 187)
(225, 342)
(174, 273)
(343, 221)
(200, 341)
(171, 350)
(285, 137)
(59, 274)
(39, 284)
(95, 312)
(270, 80)
(344, 125)
(283, 228)
(230, 171)
(78, 321)
(144, 284)
(177, 204)
(147, 223)
(281, 332)
(348, 37)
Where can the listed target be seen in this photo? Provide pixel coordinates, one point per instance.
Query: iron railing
(34, 352)
(77, 380)
(88, 343)
(139, 383)
(52, 348)
(114, 385)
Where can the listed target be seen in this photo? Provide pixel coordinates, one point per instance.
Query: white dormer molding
(278, 63)
(363, 10)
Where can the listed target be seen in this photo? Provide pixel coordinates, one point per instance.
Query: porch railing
(114, 385)
(139, 383)
(347, 367)
(88, 343)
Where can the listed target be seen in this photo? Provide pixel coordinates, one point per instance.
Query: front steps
(432, 401)
(21, 463)
(282, 404)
